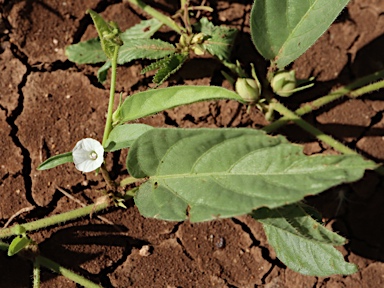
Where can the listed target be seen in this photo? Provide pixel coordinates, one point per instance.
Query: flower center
(93, 155)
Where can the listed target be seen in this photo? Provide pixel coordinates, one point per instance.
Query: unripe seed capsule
(248, 89)
(283, 83)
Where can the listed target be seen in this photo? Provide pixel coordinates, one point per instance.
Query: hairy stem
(352, 89)
(55, 219)
(36, 274)
(291, 116)
(367, 89)
(55, 267)
(311, 129)
(108, 123)
(111, 184)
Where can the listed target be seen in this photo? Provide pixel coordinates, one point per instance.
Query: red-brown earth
(48, 103)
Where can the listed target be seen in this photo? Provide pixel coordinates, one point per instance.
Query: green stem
(337, 94)
(311, 129)
(108, 123)
(365, 80)
(36, 274)
(53, 220)
(159, 16)
(111, 184)
(367, 89)
(292, 116)
(187, 21)
(55, 267)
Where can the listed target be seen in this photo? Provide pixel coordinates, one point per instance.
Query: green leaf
(173, 63)
(228, 172)
(18, 243)
(87, 52)
(90, 52)
(295, 219)
(122, 136)
(302, 243)
(150, 102)
(56, 161)
(103, 71)
(108, 34)
(144, 49)
(220, 39)
(282, 30)
(155, 65)
(145, 29)
(167, 66)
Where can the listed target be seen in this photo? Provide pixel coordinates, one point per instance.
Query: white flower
(88, 155)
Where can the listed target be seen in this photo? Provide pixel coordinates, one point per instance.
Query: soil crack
(264, 250)
(131, 243)
(374, 120)
(11, 119)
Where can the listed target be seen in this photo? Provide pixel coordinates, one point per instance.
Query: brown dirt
(48, 103)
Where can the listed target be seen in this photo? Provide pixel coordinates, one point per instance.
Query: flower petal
(82, 155)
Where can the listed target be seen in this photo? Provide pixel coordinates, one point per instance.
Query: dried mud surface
(48, 103)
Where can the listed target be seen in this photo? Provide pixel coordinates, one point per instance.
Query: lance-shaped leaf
(153, 101)
(144, 49)
(56, 161)
(302, 243)
(282, 30)
(209, 173)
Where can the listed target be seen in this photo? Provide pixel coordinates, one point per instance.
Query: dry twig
(21, 211)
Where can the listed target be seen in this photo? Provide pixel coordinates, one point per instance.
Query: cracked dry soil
(48, 103)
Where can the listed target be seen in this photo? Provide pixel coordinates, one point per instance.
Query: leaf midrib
(227, 173)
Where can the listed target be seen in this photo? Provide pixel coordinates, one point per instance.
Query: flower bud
(284, 83)
(198, 38)
(116, 115)
(184, 40)
(198, 49)
(249, 89)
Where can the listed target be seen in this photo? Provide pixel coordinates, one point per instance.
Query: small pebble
(144, 251)
(220, 243)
